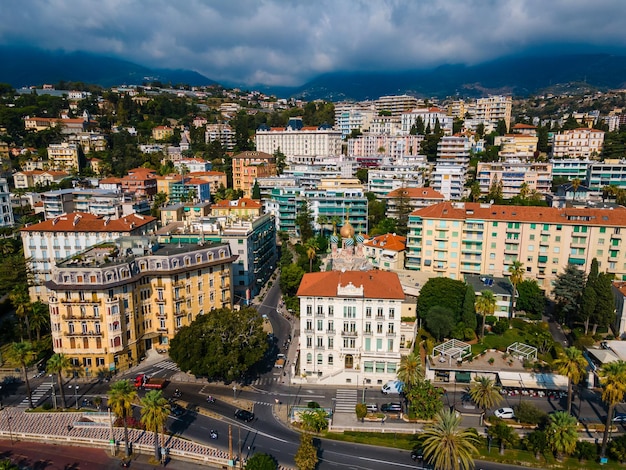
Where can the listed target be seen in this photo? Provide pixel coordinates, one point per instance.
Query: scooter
(210, 399)
(213, 434)
(177, 394)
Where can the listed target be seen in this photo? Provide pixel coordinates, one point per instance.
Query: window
(309, 358)
(380, 367)
(309, 342)
(320, 325)
(309, 309)
(368, 366)
(331, 360)
(368, 312)
(379, 328)
(389, 345)
(331, 342)
(331, 310)
(320, 359)
(320, 341)
(392, 313)
(391, 367)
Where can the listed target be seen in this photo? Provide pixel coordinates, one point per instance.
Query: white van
(393, 387)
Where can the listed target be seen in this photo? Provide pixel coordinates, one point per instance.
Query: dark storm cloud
(286, 42)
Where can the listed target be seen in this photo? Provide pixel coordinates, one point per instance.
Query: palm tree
(485, 305)
(446, 445)
(311, 252)
(575, 185)
(504, 434)
(39, 318)
(485, 393)
(122, 394)
(613, 380)
(56, 365)
(154, 412)
(21, 302)
(410, 370)
(562, 433)
(573, 365)
(23, 353)
(517, 275)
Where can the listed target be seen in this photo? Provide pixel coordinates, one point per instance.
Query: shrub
(528, 413)
(501, 326)
(490, 319)
(585, 450)
(313, 404)
(46, 406)
(617, 448)
(519, 324)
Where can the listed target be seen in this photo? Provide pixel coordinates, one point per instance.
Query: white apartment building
(350, 325)
(353, 116)
(51, 241)
(392, 146)
(493, 109)
(396, 104)
(192, 165)
(578, 143)
(387, 178)
(6, 211)
(390, 125)
(512, 174)
(99, 202)
(610, 172)
(454, 147)
(309, 141)
(449, 179)
(570, 168)
(222, 132)
(429, 116)
(453, 239)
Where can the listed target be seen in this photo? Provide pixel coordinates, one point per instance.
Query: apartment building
(521, 146)
(570, 168)
(396, 174)
(162, 132)
(386, 145)
(390, 125)
(189, 189)
(140, 181)
(6, 210)
(386, 252)
(216, 179)
(578, 143)
(111, 303)
(410, 198)
(99, 202)
(362, 344)
(501, 288)
(34, 178)
(222, 133)
(292, 141)
(396, 104)
(51, 241)
(244, 208)
(453, 239)
(89, 141)
(65, 157)
(192, 165)
(610, 172)
(493, 109)
(512, 175)
(430, 117)
(250, 165)
(353, 117)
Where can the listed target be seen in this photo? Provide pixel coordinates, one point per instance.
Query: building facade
(350, 325)
(578, 143)
(512, 175)
(309, 141)
(65, 157)
(6, 210)
(250, 165)
(114, 301)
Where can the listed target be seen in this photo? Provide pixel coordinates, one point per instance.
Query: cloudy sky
(287, 42)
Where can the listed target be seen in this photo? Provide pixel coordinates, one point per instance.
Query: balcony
(82, 317)
(79, 301)
(82, 333)
(367, 333)
(162, 330)
(391, 334)
(309, 330)
(319, 314)
(349, 333)
(111, 300)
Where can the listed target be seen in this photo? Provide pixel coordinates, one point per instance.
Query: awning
(526, 380)
(463, 377)
(603, 356)
(577, 261)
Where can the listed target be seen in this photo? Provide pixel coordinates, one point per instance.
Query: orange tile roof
(111, 180)
(388, 241)
(620, 286)
(85, 222)
(553, 215)
(376, 284)
(416, 193)
(524, 126)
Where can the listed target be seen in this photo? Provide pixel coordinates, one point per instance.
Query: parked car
(619, 418)
(394, 387)
(372, 407)
(505, 413)
(391, 407)
(244, 415)
(178, 410)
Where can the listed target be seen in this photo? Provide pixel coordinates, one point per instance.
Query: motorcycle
(177, 394)
(210, 399)
(213, 434)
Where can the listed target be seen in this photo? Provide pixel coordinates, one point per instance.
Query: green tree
(242, 133)
(410, 370)
(122, 395)
(361, 411)
(57, 364)
(311, 252)
(568, 286)
(290, 278)
(586, 451)
(536, 442)
(304, 222)
(530, 297)
(154, 412)
(419, 126)
(468, 313)
(439, 321)
(516, 271)
(613, 381)
(617, 448)
(362, 175)
(501, 128)
(281, 160)
(315, 419)
(527, 412)
(261, 462)
(447, 446)
(424, 399)
(222, 344)
(605, 307)
(485, 393)
(573, 365)
(21, 303)
(496, 191)
(504, 434)
(256, 191)
(23, 354)
(13, 273)
(562, 434)
(306, 457)
(443, 292)
(485, 305)
(39, 318)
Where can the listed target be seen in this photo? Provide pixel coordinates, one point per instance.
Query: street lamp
(364, 382)
(54, 396)
(75, 387)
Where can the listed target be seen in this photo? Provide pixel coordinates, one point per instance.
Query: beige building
(517, 145)
(250, 165)
(64, 156)
(493, 109)
(162, 132)
(578, 143)
(216, 179)
(386, 252)
(452, 239)
(307, 141)
(513, 174)
(114, 301)
(243, 208)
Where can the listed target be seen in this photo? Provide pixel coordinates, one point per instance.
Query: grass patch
(384, 439)
(501, 342)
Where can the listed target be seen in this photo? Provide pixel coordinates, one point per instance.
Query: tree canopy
(442, 292)
(223, 344)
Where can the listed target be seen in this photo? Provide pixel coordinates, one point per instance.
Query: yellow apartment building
(452, 239)
(250, 165)
(114, 301)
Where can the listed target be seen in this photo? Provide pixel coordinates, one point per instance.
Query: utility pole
(230, 442)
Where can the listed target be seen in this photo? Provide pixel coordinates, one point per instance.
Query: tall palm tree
(485, 393)
(311, 252)
(573, 365)
(56, 365)
(613, 380)
(21, 302)
(517, 275)
(23, 353)
(446, 445)
(562, 433)
(485, 305)
(122, 394)
(39, 318)
(154, 412)
(410, 370)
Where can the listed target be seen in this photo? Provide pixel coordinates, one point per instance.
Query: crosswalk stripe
(36, 395)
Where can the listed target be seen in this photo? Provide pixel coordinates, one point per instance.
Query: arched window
(309, 358)
(187, 260)
(320, 359)
(117, 341)
(198, 258)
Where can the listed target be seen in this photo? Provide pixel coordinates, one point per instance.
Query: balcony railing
(349, 333)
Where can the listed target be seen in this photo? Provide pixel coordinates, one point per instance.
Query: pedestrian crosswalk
(345, 401)
(167, 364)
(266, 380)
(37, 395)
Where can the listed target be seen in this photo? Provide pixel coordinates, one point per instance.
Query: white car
(505, 413)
